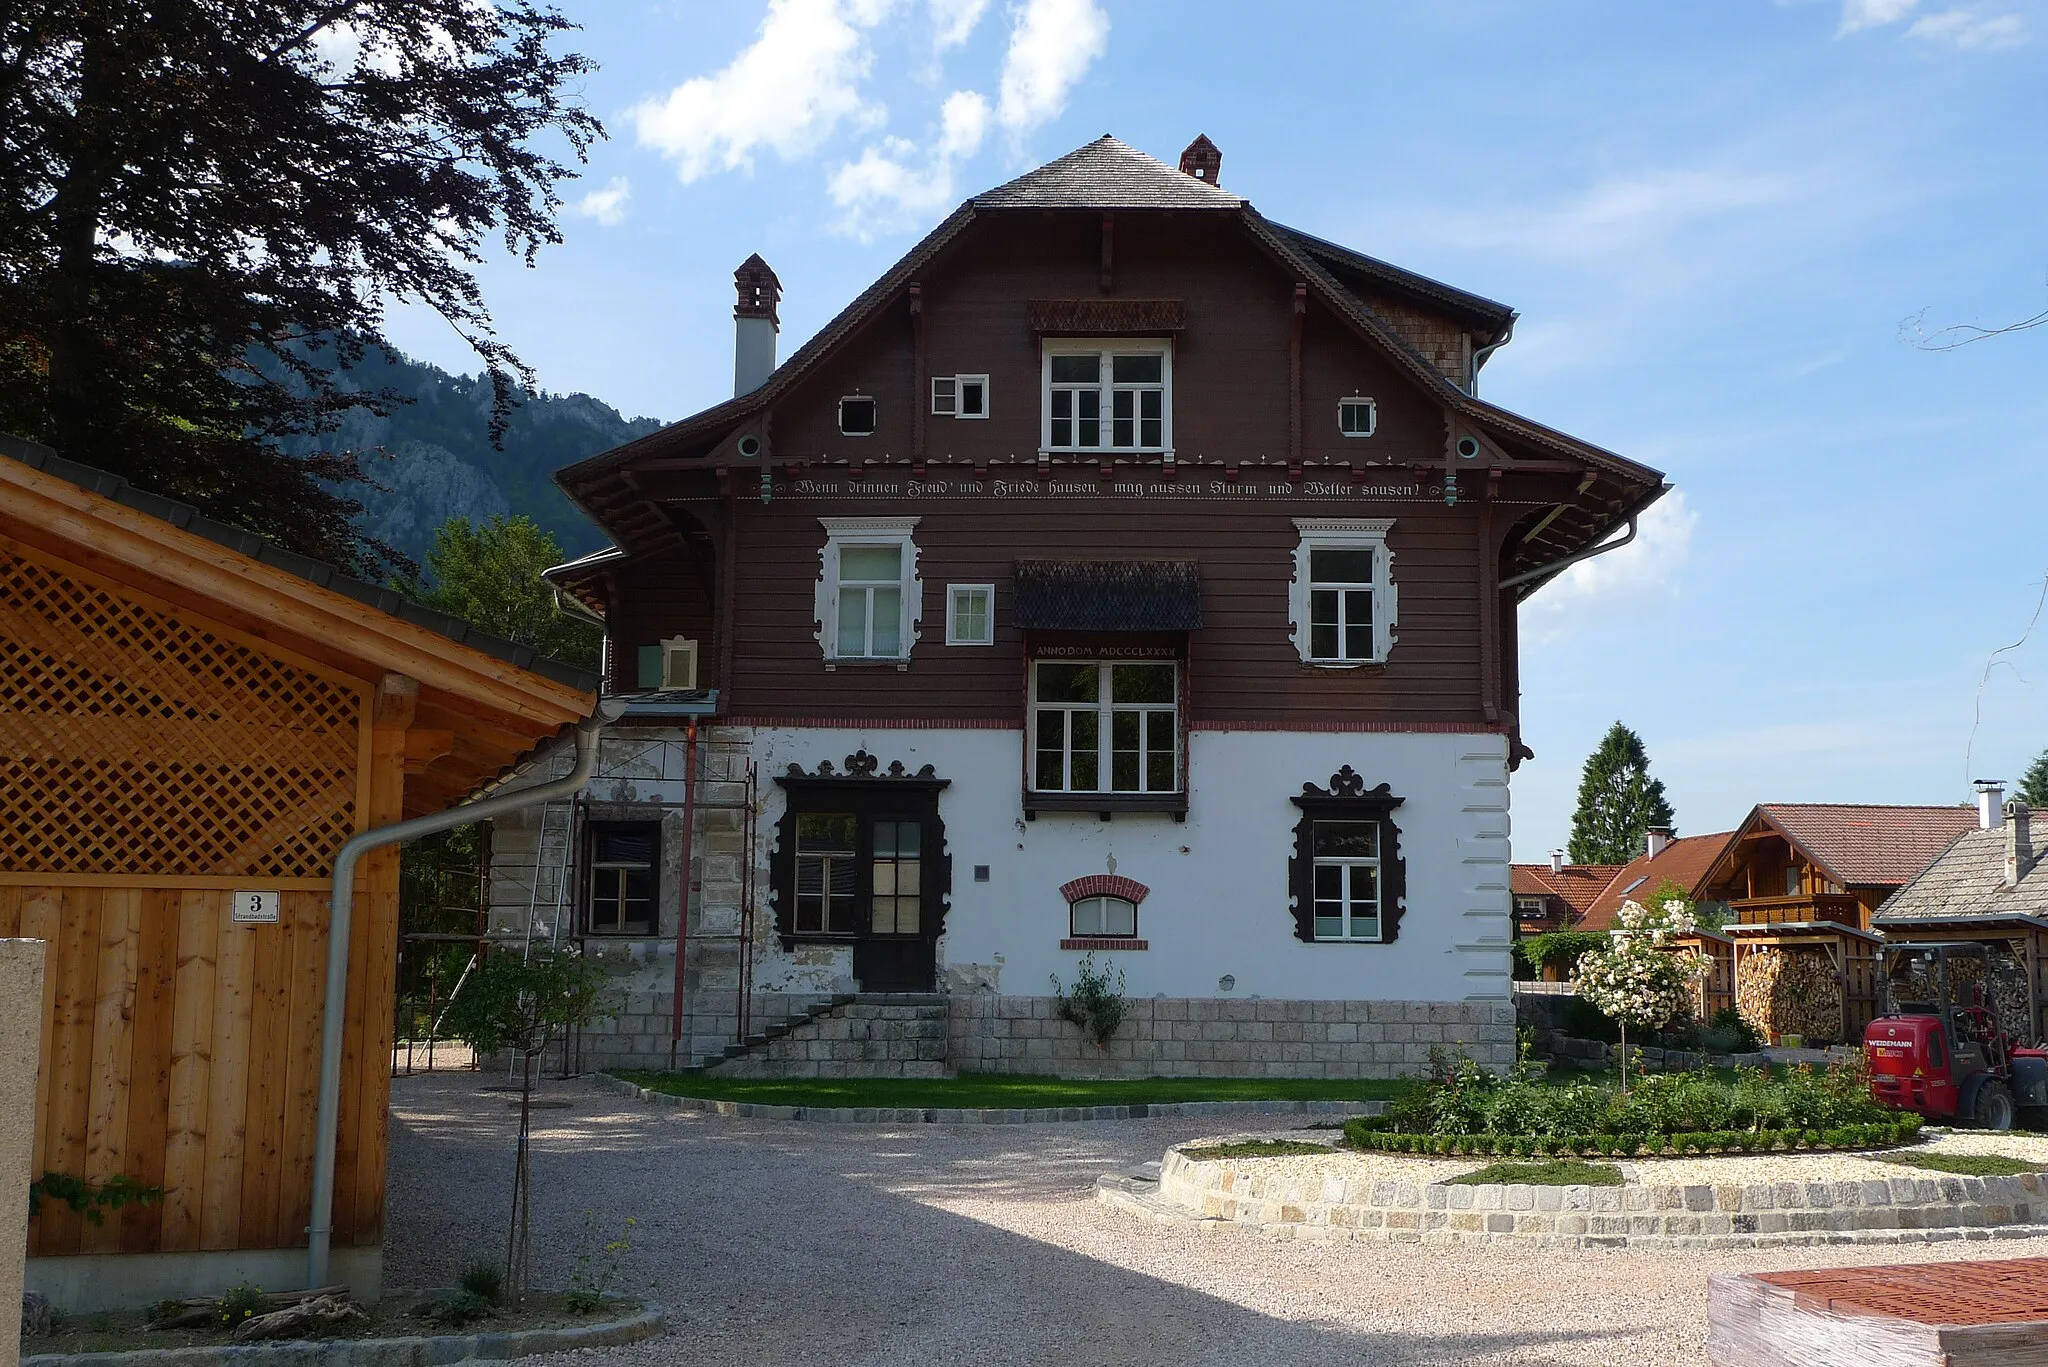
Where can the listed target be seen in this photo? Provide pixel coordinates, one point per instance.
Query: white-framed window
(678, 663)
(1114, 918)
(856, 416)
(1108, 396)
(1343, 602)
(1347, 880)
(1102, 727)
(868, 598)
(960, 396)
(970, 614)
(1357, 416)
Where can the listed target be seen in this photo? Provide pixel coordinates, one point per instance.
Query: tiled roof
(1868, 846)
(1968, 880)
(1578, 885)
(1685, 861)
(1106, 174)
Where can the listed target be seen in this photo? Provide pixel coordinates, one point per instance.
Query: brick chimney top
(1201, 160)
(759, 290)
(2019, 842)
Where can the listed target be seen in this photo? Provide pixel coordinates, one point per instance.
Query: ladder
(548, 903)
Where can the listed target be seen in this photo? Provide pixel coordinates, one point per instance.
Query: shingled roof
(1967, 882)
(1866, 845)
(1106, 174)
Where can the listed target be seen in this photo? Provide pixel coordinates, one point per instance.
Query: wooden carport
(186, 714)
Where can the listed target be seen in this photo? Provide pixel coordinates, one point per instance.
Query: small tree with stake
(1638, 978)
(523, 1005)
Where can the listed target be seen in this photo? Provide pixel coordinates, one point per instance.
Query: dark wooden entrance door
(896, 951)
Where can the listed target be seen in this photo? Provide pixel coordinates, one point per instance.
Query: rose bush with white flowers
(1640, 977)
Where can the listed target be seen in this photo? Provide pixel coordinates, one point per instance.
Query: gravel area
(780, 1242)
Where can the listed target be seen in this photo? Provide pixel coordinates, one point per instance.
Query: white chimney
(1557, 861)
(2019, 842)
(1656, 841)
(1990, 803)
(755, 325)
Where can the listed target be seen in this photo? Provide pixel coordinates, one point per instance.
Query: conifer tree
(2033, 788)
(1618, 801)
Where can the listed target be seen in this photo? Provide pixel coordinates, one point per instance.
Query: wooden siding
(660, 597)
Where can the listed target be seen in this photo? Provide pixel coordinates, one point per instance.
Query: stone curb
(941, 1115)
(412, 1351)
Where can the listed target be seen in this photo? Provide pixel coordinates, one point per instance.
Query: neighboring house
(1684, 860)
(192, 722)
(1556, 895)
(1990, 886)
(1122, 573)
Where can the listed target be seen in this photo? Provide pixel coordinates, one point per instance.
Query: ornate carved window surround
(867, 791)
(1347, 799)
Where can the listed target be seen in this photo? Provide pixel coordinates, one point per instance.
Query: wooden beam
(398, 697)
(423, 747)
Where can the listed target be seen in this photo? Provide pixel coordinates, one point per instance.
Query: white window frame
(845, 399)
(842, 532)
(1345, 534)
(1074, 930)
(946, 396)
(1105, 707)
(1318, 862)
(1372, 418)
(670, 648)
(1108, 349)
(954, 592)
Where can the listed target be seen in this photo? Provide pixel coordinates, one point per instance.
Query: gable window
(1342, 599)
(1108, 396)
(867, 598)
(970, 614)
(960, 396)
(1099, 727)
(1346, 877)
(1357, 417)
(622, 883)
(856, 416)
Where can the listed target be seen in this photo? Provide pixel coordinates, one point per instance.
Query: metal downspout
(675, 1025)
(320, 1232)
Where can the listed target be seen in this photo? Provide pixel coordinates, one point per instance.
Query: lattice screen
(135, 743)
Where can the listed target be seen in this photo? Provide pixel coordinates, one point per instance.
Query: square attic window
(1357, 417)
(856, 416)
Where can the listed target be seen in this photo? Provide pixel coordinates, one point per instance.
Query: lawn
(1967, 1164)
(1004, 1091)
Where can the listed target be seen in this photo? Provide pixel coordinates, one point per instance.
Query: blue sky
(1718, 220)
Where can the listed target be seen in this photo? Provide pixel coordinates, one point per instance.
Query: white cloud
(1051, 48)
(1621, 215)
(606, 205)
(1971, 31)
(1858, 15)
(1641, 575)
(887, 186)
(793, 86)
(953, 21)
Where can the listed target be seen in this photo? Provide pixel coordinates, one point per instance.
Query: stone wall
(879, 1035)
(1212, 1037)
(21, 1023)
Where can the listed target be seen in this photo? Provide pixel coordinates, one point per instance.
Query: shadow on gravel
(774, 1247)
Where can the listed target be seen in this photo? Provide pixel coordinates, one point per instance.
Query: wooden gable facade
(188, 717)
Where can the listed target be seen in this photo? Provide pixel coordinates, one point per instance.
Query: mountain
(434, 460)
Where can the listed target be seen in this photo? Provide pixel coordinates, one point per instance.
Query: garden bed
(1002, 1091)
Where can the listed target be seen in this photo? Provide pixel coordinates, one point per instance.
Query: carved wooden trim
(1347, 799)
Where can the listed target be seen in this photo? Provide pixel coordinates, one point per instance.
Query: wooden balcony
(1772, 911)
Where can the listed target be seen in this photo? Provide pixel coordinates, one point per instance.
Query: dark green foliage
(204, 206)
(1255, 1148)
(485, 1280)
(239, 1303)
(1583, 1020)
(90, 1199)
(457, 1309)
(596, 1264)
(489, 576)
(1096, 1005)
(2033, 788)
(1965, 1164)
(522, 1006)
(1559, 948)
(1618, 801)
(1558, 1172)
(1367, 1134)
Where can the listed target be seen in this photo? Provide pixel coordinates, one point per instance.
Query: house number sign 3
(255, 908)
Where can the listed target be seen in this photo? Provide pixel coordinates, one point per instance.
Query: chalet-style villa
(1122, 573)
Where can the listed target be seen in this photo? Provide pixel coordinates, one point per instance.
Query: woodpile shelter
(192, 722)
(1990, 887)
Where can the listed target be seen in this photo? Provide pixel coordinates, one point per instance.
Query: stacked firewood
(1790, 992)
(2007, 990)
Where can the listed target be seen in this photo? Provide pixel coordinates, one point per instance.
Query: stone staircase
(871, 1034)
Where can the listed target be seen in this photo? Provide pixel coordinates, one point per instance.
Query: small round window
(1106, 917)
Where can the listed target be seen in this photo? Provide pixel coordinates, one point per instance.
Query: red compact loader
(1940, 1047)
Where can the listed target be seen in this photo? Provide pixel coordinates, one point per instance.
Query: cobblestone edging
(411, 1351)
(1233, 1194)
(945, 1115)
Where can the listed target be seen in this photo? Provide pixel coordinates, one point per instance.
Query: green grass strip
(1561, 1172)
(1967, 1164)
(1005, 1091)
(1256, 1148)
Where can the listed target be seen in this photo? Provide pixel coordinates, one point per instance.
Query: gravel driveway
(781, 1242)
